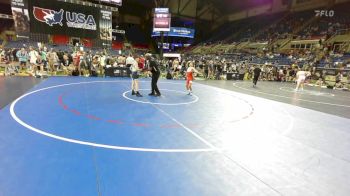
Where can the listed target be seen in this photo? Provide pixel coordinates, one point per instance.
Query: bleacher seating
(20, 43)
(268, 32)
(327, 25)
(266, 27)
(285, 26)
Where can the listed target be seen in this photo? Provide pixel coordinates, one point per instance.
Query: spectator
(22, 56)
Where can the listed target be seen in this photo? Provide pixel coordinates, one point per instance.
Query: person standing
(134, 68)
(52, 58)
(206, 70)
(190, 77)
(33, 60)
(43, 55)
(22, 56)
(176, 70)
(102, 64)
(301, 77)
(241, 72)
(83, 63)
(256, 72)
(129, 61)
(153, 67)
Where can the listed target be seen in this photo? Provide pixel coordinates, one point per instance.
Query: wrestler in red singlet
(189, 77)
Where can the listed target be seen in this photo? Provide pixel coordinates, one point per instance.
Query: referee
(257, 72)
(153, 67)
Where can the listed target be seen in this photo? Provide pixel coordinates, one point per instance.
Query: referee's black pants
(255, 79)
(155, 77)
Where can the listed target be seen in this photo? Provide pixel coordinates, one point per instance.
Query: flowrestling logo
(73, 19)
(326, 13)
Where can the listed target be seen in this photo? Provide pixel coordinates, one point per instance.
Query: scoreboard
(161, 20)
